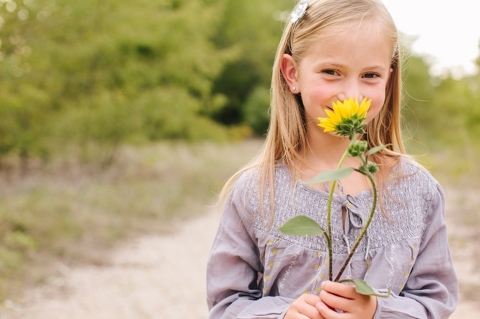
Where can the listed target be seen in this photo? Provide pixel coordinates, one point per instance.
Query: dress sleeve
(234, 267)
(431, 290)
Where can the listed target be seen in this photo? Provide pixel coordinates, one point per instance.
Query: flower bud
(357, 148)
(372, 167)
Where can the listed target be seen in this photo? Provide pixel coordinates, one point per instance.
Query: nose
(351, 89)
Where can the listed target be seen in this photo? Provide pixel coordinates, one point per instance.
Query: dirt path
(164, 277)
(151, 277)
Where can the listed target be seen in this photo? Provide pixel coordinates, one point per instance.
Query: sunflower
(347, 118)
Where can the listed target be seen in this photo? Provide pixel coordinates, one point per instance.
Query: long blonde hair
(286, 139)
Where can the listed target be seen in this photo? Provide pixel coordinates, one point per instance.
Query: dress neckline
(362, 194)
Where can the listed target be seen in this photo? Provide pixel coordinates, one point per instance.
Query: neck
(325, 151)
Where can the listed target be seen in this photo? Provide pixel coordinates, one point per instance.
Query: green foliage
(363, 288)
(254, 29)
(331, 175)
(301, 226)
(255, 111)
(110, 72)
(440, 112)
(418, 97)
(107, 72)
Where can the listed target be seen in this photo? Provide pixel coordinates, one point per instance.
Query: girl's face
(350, 63)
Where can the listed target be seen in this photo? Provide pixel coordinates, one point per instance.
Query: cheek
(376, 106)
(372, 113)
(318, 96)
(315, 99)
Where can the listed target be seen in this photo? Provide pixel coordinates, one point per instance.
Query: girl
(332, 50)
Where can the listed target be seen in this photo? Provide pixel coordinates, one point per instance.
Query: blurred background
(118, 118)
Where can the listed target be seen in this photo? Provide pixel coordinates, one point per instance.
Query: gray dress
(255, 271)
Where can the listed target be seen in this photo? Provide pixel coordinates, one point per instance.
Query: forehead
(360, 38)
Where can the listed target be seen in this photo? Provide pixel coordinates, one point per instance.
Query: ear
(289, 72)
(389, 78)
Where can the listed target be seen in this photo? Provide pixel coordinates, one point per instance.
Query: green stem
(364, 230)
(329, 223)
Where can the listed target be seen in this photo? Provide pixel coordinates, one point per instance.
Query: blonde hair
(286, 138)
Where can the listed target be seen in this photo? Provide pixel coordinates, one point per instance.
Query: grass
(72, 211)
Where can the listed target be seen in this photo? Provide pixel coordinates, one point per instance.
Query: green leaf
(331, 175)
(376, 149)
(363, 288)
(301, 226)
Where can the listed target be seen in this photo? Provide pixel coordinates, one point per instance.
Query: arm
(234, 267)
(431, 290)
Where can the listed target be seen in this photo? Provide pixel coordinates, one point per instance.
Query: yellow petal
(335, 116)
(341, 109)
(364, 107)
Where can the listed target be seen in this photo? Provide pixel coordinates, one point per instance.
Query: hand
(344, 297)
(304, 308)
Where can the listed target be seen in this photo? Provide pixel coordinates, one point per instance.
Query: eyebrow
(339, 66)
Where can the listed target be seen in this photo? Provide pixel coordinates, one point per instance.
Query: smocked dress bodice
(405, 248)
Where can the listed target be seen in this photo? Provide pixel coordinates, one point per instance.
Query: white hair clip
(299, 11)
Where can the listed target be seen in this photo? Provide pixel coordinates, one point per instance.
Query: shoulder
(254, 187)
(415, 177)
(244, 183)
(256, 178)
(409, 166)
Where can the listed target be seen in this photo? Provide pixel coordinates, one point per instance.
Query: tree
(81, 72)
(254, 28)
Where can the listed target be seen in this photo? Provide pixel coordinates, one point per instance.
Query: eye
(330, 72)
(371, 75)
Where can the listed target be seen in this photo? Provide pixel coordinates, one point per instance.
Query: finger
(334, 301)
(311, 311)
(296, 316)
(326, 312)
(322, 304)
(304, 307)
(315, 314)
(339, 289)
(358, 305)
(311, 299)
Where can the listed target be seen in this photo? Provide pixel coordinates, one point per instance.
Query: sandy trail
(162, 277)
(150, 277)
